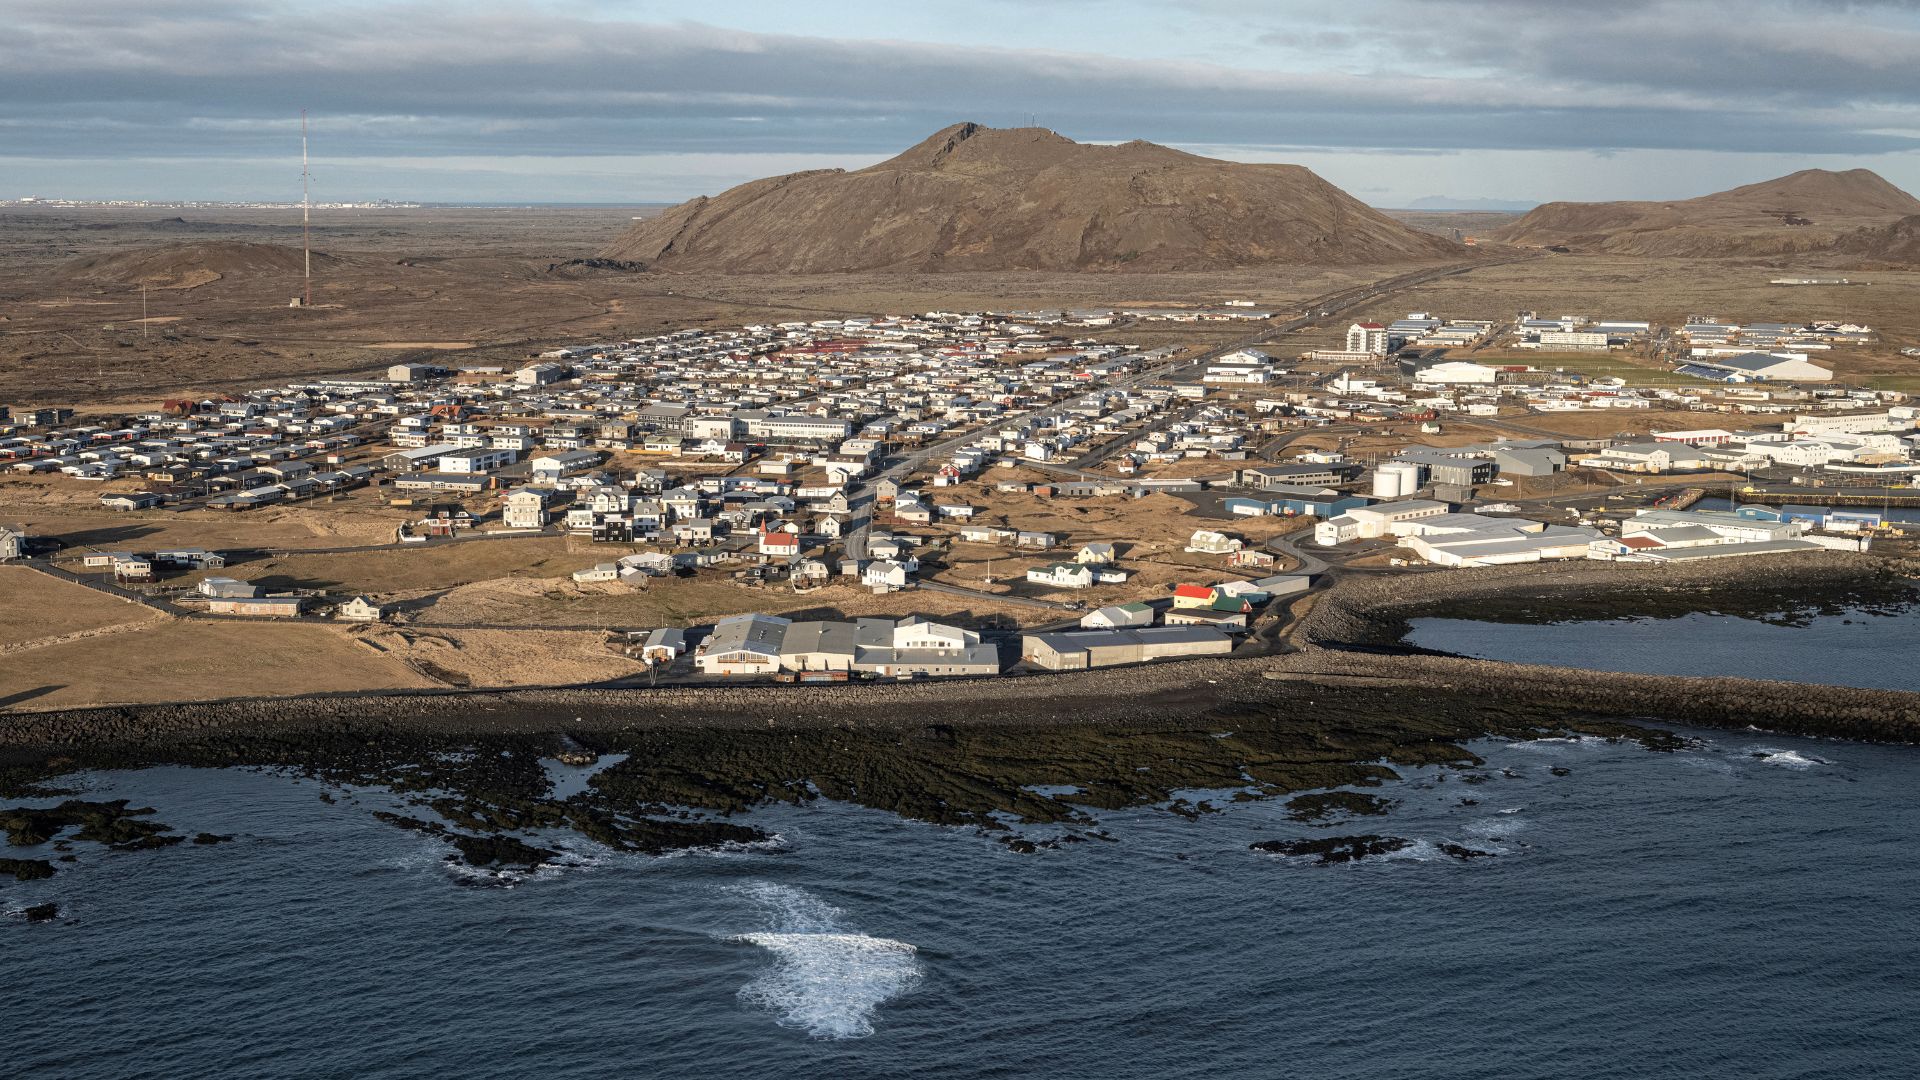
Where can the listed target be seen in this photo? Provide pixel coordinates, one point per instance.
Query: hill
(1806, 211)
(975, 198)
(189, 265)
(1897, 243)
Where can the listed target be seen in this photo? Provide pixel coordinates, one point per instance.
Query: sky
(623, 101)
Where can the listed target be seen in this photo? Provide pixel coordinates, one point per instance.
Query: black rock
(1460, 852)
(26, 869)
(1335, 849)
(207, 839)
(500, 850)
(1561, 770)
(42, 913)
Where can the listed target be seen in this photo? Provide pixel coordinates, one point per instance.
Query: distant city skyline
(639, 102)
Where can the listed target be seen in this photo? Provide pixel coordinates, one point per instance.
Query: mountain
(1806, 211)
(1448, 202)
(189, 266)
(976, 198)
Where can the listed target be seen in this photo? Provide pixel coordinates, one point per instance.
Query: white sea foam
(727, 849)
(1417, 851)
(1787, 759)
(1483, 828)
(825, 980)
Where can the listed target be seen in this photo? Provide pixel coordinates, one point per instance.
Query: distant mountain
(975, 198)
(1448, 202)
(1804, 212)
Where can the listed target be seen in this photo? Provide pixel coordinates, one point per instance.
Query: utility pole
(306, 208)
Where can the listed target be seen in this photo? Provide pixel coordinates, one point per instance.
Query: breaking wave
(825, 980)
(1785, 758)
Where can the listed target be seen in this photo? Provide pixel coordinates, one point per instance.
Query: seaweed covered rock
(26, 869)
(1335, 849)
(109, 823)
(498, 851)
(1320, 805)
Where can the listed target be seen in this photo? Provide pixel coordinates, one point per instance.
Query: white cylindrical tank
(1396, 480)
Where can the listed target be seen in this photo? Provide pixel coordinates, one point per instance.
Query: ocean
(1853, 647)
(1740, 908)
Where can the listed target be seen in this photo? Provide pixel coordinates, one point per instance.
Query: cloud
(433, 79)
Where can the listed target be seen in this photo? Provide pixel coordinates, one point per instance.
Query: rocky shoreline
(1345, 707)
(1345, 637)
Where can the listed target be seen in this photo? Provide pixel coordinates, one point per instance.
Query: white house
(361, 609)
(1118, 617)
(887, 574)
(1062, 575)
(526, 508)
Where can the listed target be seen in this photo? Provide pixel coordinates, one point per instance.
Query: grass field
(198, 660)
(411, 569)
(1634, 370)
(35, 606)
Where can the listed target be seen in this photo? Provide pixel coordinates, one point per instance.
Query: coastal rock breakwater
(1375, 609)
(1352, 632)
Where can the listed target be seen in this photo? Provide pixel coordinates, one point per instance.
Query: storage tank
(1396, 480)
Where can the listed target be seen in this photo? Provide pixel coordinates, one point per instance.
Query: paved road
(1289, 544)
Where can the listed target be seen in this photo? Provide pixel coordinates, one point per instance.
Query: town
(1072, 499)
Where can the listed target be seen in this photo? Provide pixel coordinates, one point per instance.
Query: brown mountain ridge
(977, 198)
(1807, 211)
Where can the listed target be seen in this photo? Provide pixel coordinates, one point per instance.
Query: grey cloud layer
(224, 79)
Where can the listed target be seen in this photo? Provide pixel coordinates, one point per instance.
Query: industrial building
(1756, 367)
(1077, 650)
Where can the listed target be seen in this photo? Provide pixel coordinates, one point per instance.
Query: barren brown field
(419, 568)
(491, 285)
(498, 658)
(1626, 422)
(199, 660)
(59, 507)
(35, 607)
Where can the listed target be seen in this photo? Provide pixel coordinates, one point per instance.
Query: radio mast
(306, 211)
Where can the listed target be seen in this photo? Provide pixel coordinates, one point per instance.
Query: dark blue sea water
(1745, 908)
(1853, 648)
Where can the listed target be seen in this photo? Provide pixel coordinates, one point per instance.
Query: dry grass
(197, 660)
(34, 606)
(1628, 422)
(489, 278)
(421, 568)
(499, 657)
(69, 510)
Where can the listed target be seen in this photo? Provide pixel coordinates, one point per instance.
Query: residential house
(1062, 575)
(1118, 617)
(361, 609)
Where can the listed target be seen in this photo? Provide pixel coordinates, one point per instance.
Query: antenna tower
(306, 213)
